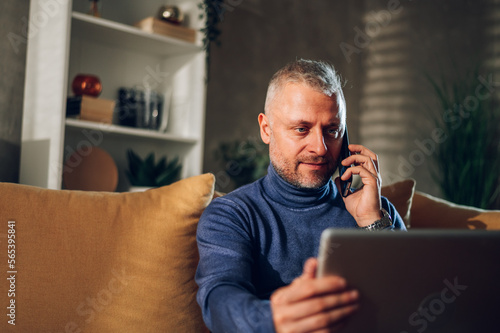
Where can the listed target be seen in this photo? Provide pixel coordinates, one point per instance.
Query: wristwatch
(383, 223)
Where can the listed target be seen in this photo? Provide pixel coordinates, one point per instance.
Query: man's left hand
(364, 204)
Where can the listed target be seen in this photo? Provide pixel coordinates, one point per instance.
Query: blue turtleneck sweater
(255, 240)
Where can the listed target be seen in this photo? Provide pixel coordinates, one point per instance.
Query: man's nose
(317, 144)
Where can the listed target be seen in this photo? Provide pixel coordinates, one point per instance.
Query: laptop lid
(418, 281)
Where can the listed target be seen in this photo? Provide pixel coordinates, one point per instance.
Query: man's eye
(334, 132)
(300, 129)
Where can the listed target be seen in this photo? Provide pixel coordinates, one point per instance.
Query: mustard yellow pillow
(400, 194)
(431, 212)
(104, 262)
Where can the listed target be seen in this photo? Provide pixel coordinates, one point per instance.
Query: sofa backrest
(423, 211)
(428, 211)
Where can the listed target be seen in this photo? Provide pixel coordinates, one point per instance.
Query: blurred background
(422, 85)
(396, 58)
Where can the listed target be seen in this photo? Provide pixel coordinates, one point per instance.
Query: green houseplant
(467, 162)
(243, 160)
(212, 12)
(147, 173)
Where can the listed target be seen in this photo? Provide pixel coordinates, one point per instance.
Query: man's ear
(265, 129)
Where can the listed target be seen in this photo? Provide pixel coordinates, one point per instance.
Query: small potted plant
(213, 13)
(243, 160)
(146, 173)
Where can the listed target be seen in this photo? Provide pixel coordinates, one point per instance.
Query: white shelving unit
(121, 56)
(125, 36)
(76, 124)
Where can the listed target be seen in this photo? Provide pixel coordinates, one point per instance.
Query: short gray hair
(318, 75)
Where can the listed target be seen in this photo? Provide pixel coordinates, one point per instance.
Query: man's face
(304, 131)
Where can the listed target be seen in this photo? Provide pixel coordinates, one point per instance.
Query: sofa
(125, 262)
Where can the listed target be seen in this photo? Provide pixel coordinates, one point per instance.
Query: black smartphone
(345, 185)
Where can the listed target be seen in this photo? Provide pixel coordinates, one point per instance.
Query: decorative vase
(171, 14)
(86, 84)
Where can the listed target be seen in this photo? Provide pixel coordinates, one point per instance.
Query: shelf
(128, 37)
(128, 131)
(122, 55)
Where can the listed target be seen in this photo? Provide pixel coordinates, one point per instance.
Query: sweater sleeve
(397, 221)
(226, 294)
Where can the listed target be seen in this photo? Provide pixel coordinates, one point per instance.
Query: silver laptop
(418, 281)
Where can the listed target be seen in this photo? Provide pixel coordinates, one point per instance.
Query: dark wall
(438, 39)
(258, 37)
(384, 48)
(12, 70)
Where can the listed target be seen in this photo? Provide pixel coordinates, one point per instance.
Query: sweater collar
(285, 193)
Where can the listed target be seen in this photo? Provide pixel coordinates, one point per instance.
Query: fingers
(315, 305)
(366, 161)
(364, 204)
(315, 314)
(363, 159)
(310, 267)
(311, 304)
(367, 177)
(333, 320)
(301, 289)
(363, 151)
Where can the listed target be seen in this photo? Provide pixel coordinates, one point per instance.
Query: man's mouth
(315, 165)
(315, 161)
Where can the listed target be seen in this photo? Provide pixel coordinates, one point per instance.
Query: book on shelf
(154, 25)
(91, 108)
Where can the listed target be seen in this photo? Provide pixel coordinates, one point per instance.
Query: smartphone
(345, 185)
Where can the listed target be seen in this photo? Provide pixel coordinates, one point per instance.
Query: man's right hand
(311, 304)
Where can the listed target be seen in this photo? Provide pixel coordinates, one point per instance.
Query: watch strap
(384, 223)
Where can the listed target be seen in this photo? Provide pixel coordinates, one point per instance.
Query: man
(254, 273)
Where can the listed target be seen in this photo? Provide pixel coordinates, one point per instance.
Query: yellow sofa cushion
(430, 212)
(105, 262)
(400, 194)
